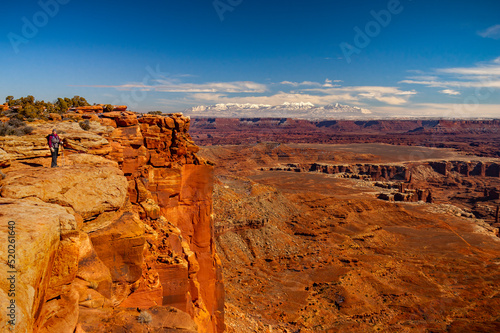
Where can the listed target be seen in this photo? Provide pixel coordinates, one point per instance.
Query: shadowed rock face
(127, 226)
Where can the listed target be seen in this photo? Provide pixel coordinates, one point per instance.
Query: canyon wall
(478, 137)
(120, 235)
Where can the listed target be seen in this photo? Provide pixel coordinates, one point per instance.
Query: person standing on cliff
(54, 142)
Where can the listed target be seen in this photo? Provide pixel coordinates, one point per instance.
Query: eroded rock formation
(121, 235)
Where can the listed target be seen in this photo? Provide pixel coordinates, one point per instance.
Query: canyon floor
(309, 251)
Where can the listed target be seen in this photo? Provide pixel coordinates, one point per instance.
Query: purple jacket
(54, 141)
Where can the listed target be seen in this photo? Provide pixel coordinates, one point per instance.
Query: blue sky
(407, 57)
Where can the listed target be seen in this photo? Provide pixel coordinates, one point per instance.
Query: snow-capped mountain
(301, 110)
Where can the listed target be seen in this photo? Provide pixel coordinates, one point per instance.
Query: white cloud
(175, 87)
(303, 83)
(317, 96)
(482, 75)
(327, 83)
(387, 95)
(491, 32)
(449, 92)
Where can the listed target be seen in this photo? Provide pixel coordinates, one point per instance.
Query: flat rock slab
(85, 188)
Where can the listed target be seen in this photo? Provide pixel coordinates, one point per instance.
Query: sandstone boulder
(37, 227)
(55, 116)
(4, 159)
(85, 188)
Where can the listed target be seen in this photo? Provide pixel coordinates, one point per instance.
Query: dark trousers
(54, 157)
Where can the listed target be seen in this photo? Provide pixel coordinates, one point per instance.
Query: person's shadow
(36, 165)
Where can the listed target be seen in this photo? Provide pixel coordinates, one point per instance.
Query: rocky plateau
(271, 225)
(118, 238)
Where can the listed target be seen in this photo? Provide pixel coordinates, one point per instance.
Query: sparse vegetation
(27, 108)
(108, 108)
(15, 127)
(155, 112)
(85, 124)
(144, 317)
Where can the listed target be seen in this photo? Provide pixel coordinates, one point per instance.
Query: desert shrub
(5, 129)
(16, 122)
(19, 130)
(26, 130)
(155, 112)
(144, 317)
(85, 124)
(108, 108)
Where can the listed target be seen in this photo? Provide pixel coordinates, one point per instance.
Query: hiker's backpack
(48, 140)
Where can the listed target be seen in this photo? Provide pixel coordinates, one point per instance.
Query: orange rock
(55, 116)
(60, 314)
(86, 109)
(37, 224)
(151, 208)
(91, 116)
(169, 122)
(157, 160)
(127, 120)
(151, 119)
(144, 298)
(120, 245)
(91, 268)
(4, 158)
(88, 190)
(119, 108)
(112, 114)
(155, 319)
(108, 122)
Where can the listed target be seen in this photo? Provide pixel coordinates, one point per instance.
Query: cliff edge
(119, 236)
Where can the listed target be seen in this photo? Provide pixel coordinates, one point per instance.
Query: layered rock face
(372, 171)
(478, 137)
(120, 240)
(168, 181)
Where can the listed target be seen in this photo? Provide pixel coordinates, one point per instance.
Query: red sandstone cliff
(124, 239)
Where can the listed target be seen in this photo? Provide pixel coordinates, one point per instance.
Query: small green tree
(61, 105)
(30, 112)
(108, 108)
(79, 101)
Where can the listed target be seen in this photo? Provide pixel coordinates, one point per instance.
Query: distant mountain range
(286, 110)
